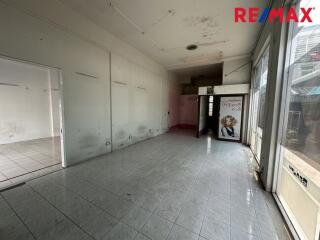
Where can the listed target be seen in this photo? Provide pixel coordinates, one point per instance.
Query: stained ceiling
(163, 28)
(211, 70)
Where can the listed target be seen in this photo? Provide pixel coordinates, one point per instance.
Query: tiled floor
(23, 159)
(172, 187)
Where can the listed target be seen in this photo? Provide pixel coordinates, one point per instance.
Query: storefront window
(258, 102)
(299, 153)
(303, 123)
(263, 88)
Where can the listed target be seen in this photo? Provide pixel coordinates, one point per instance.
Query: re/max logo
(252, 15)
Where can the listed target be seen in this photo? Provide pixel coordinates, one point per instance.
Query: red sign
(252, 15)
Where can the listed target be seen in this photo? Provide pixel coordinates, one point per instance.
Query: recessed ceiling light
(192, 47)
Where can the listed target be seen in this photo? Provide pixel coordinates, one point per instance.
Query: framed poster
(230, 118)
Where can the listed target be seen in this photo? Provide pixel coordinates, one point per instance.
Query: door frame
(265, 47)
(283, 110)
(198, 122)
(282, 116)
(61, 107)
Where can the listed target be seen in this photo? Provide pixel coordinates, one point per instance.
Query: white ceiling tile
(168, 26)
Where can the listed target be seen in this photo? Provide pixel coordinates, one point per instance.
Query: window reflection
(258, 102)
(303, 126)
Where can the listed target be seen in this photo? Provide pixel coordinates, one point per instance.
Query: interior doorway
(31, 121)
(208, 115)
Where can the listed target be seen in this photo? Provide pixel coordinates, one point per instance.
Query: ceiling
(210, 70)
(162, 29)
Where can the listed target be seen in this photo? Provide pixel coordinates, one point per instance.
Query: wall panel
(136, 103)
(60, 42)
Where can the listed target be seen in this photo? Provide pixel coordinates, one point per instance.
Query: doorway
(208, 115)
(31, 121)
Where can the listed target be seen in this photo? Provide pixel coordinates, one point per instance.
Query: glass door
(258, 103)
(255, 101)
(298, 184)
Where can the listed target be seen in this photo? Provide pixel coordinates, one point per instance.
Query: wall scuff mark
(9, 84)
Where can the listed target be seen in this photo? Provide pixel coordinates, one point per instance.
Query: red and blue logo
(253, 15)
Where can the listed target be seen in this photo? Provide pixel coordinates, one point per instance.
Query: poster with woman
(230, 118)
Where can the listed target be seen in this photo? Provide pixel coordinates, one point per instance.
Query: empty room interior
(159, 120)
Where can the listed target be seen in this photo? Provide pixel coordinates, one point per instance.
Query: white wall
(55, 96)
(136, 103)
(59, 37)
(25, 102)
(238, 71)
(239, 76)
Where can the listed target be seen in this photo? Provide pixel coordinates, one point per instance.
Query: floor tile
(136, 217)
(22, 158)
(121, 232)
(64, 230)
(237, 234)
(11, 226)
(169, 187)
(39, 216)
(191, 217)
(245, 223)
(142, 237)
(146, 200)
(157, 228)
(180, 233)
(119, 208)
(168, 210)
(213, 229)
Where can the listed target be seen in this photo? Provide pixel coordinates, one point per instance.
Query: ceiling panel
(162, 29)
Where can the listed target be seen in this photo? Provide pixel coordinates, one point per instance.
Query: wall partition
(298, 184)
(136, 102)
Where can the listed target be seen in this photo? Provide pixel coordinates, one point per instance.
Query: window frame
(284, 105)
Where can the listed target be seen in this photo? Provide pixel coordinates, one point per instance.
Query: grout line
(99, 207)
(143, 235)
(88, 201)
(31, 172)
(34, 145)
(66, 216)
(31, 178)
(12, 187)
(17, 215)
(163, 160)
